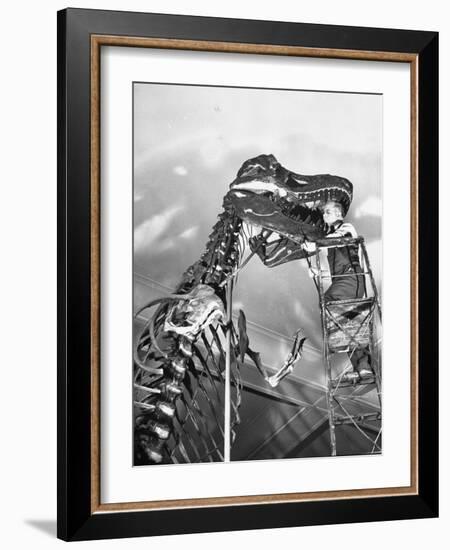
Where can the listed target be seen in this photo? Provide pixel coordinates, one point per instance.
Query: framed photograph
(247, 252)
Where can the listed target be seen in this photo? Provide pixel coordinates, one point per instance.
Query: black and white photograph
(224, 221)
(257, 273)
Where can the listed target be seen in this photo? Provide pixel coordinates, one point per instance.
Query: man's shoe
(365, 373)
(351, 377)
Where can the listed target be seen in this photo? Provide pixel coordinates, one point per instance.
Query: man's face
(331, 213)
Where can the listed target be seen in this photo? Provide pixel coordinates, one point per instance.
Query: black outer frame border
(75, 521)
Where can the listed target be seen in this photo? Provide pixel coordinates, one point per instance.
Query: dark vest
(344, 258)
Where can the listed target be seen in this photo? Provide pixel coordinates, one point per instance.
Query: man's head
(332, 212)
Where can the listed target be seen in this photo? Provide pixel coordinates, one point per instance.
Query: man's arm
(344, 230)
(310, 249)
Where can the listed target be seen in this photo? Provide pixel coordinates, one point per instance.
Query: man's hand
(309, 246)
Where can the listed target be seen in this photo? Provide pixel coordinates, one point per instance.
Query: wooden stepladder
(348, 325)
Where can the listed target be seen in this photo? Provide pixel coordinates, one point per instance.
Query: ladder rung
(334, 349)
(351, 274)
(336, 383)
(337, 242)
(351, 301)
(357, 418)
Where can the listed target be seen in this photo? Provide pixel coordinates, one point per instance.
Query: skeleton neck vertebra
(222, 254)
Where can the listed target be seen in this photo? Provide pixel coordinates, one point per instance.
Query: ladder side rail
(374, 354)
(328, 376)
(372, 280)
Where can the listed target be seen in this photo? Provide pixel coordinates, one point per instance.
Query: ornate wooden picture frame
(81, 513)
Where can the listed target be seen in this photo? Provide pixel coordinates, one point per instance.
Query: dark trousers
(346, 288)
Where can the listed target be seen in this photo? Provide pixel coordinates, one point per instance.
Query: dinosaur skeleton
(180, 354)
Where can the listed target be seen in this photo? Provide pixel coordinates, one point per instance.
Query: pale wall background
(28, 277)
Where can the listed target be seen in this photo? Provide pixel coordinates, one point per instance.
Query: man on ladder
(343, 263)
(348, 315)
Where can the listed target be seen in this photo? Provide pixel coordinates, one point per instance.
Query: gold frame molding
(97, 41)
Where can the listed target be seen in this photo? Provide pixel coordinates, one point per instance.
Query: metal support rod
(372, 280)
(326, 357)
(374, 354)
(227, 420)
